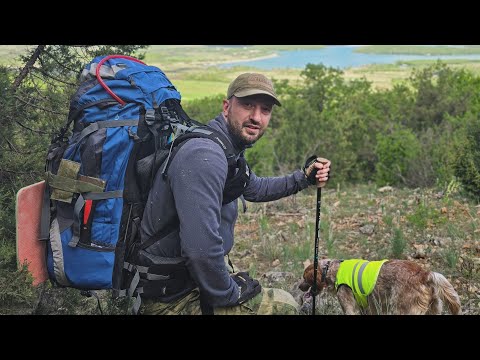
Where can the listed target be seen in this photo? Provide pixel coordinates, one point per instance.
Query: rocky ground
(275, 242)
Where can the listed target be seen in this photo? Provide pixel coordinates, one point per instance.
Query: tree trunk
(28, 66)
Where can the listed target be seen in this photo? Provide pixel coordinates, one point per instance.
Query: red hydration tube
(100, 80)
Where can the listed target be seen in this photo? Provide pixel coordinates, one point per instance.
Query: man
(195, 231)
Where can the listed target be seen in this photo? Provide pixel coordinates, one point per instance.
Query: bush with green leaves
(467, 167)
(204, 109)
(395, 151)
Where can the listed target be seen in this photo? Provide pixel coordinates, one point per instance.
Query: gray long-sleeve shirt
(193, 192)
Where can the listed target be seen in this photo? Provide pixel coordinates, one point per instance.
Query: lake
(337, 56)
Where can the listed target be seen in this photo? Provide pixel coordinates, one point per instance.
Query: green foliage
(395, 151)
(452, 256)
(299, 251)
(425, 215)
(467, 167)
(7, 212)
(270, 248)
(295, 139)
(398, 243)
(8, 258)
(264, 225)
(453, 187)
(408, 135)
(261, 156)
(205, 109)
(17, 294)
(422, 132)
(323, 86)
(388, 220)
(441, 91)
(327, 233)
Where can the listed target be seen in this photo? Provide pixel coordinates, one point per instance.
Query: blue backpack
(126, 119)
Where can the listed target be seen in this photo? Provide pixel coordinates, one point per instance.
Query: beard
(239, 138)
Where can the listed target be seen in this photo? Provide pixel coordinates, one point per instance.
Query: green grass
(9, 54)
(191, 89)
(398, 243)
(403, 218)
(417, 50)
(285, 230)
(194, 68)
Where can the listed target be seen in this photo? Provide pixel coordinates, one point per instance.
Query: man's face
(248, 117)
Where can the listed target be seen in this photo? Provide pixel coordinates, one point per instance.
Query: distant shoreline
(245, 60)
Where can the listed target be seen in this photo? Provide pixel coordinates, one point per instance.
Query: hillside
(440, 230)
(424, 136)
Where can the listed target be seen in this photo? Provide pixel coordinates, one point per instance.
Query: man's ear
(225, 107)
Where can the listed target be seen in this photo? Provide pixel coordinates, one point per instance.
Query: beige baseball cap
(251, 84)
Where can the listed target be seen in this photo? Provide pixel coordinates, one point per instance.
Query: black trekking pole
(312, 180)
(315, 256)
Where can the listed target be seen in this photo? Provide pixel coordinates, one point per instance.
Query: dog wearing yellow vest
(398, 287)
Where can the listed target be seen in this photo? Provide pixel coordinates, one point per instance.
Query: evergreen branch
(31, 172)
(44, 73)
(28, 66)
(10, 145)
(62, 65)
(40, 107)
(42, 132)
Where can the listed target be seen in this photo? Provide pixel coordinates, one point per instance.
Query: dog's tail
(445, 291)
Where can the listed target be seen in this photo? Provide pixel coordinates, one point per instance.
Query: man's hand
(317, 170)
(249, 287)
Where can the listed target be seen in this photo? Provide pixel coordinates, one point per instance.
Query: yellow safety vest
(360, 276)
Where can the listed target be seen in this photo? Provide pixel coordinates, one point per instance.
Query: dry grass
(440, 232)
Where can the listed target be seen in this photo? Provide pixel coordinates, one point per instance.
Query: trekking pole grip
(322, 161)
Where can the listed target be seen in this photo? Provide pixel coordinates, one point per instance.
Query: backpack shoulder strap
(238, 172)
(202, 131)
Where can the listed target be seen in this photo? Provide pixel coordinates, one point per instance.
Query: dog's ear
(308, 275)
(304, 286)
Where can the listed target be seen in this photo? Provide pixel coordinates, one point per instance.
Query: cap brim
(250, 92)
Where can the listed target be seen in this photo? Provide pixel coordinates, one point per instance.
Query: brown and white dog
(402, 287)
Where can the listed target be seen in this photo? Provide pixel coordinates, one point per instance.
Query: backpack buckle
(167, 115)
(150, 116)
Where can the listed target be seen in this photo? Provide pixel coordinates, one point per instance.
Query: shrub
(394, 152)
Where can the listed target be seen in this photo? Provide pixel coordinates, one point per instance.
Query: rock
(385, 189)
(306, 306)
(244, 253)
(297, 294)
(439, 241)
(419, 254)
(273, 278)
(367, 229)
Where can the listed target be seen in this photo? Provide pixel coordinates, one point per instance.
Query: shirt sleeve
(273, 188)
(197, 177)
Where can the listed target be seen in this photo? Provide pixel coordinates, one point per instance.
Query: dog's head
(307, 283)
